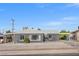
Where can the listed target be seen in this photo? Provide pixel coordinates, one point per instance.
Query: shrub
(26, 40)
(64, 37)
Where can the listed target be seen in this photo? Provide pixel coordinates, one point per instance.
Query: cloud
(67, 23)
(63, 21)
(42, 5)
(73, 5)
(54, 23)
(70, 18)
(2, 10)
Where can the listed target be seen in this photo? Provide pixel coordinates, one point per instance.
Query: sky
(54, 16)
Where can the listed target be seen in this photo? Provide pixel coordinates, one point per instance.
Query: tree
(25, 28)
(38, 29)
(63, 37)
(8, 31)
(64, 34)
(26, 40)
(64, 31)
(32, 28)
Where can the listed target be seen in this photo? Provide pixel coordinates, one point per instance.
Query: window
(34, 37)
(9, 37)
(50, 36)
(1, 37)
(22, 37)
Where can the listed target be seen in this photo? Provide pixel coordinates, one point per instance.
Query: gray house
(34, 35)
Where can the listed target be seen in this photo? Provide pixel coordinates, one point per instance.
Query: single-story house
(1, 38)
(34, 35)
(74, 35)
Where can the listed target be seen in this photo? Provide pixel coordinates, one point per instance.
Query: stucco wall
(17, 39)
(40, 38)
(77, 36)
(54, 37)
(74, 36)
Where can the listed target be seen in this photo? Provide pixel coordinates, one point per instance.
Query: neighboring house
(1, 38)
(74, 35)
(8, 37)
(33, 35)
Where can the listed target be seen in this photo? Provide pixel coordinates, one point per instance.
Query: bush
(63, 37)
(26, 40)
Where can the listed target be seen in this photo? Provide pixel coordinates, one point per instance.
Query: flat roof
(34, 31)
(64, 33)
(75, 31)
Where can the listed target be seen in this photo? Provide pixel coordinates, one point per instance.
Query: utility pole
(13, 23)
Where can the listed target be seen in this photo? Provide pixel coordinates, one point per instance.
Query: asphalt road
(61, 54)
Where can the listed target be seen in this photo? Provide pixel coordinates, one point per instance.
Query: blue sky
(55, 16)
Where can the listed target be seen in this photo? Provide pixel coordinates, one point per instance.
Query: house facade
(74, 35)
(33, 35)
(1, 38)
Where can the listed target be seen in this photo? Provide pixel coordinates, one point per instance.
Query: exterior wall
(17, 39)
(6, 39)
(53, 37)
(74, 36)
(77, 36)
(40, 38)
(68, 37)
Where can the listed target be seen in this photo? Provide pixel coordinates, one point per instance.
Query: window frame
(35, 37)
